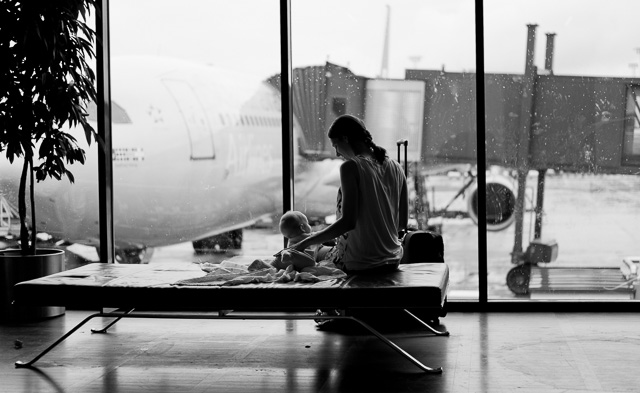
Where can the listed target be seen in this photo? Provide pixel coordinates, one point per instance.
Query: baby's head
(293, 224)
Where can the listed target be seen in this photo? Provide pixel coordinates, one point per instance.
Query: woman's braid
(378, 152)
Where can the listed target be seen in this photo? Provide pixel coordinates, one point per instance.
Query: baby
(294, 225)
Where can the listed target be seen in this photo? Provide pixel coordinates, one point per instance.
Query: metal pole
(481, 156)
(384, 68)
(524, 137)
(287, 108)
(105, 163)
(548, 65)
(539, 204)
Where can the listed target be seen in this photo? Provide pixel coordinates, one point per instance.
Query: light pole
(633, 67)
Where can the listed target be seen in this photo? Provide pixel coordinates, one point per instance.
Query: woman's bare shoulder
(349, 170)
(349, 165)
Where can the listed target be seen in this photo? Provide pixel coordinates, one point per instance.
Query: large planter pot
(15, 268)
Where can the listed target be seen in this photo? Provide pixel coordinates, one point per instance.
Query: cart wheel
(518, 279)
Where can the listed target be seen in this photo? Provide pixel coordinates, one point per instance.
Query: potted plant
(45, 85)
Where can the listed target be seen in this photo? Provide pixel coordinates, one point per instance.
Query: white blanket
(260, 271)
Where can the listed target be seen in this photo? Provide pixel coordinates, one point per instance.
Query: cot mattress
(100, 285)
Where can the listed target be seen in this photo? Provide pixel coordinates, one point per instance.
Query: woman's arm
(349, 186)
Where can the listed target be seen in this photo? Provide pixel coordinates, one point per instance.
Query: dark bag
(422, 246)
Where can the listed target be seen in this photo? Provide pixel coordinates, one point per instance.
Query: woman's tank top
(374, 241)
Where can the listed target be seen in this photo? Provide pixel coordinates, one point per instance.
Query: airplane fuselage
(196, 152)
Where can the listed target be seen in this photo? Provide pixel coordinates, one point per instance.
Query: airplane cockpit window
(631, 144)
(118, 114)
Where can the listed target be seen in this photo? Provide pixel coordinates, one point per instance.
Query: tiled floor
(486, 352)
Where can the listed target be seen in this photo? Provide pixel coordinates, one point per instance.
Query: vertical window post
(287, 113)
(481, 156)
(105, 165)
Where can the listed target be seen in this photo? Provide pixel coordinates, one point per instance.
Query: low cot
(147, 291)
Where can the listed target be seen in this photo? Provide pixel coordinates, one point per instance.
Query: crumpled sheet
(260, 271)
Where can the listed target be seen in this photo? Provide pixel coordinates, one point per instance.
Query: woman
(372, 203)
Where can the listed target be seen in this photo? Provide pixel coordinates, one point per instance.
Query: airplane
(196, 154)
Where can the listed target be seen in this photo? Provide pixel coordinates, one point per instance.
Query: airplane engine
(501, 202)
(219, 243)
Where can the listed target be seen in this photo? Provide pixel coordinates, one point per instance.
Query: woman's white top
(374, 241)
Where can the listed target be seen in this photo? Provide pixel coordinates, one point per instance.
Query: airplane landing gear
(518, 279)
(219, 243)
(133, 255)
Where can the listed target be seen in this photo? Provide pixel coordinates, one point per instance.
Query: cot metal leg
(393, 345)
(104, 329)
(423, 323)
(21, 364)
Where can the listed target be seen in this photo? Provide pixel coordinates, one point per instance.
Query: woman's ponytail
(379, 153)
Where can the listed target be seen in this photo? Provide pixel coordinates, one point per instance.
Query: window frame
(105, 180)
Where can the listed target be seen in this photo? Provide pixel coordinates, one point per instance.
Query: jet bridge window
(631, 144)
